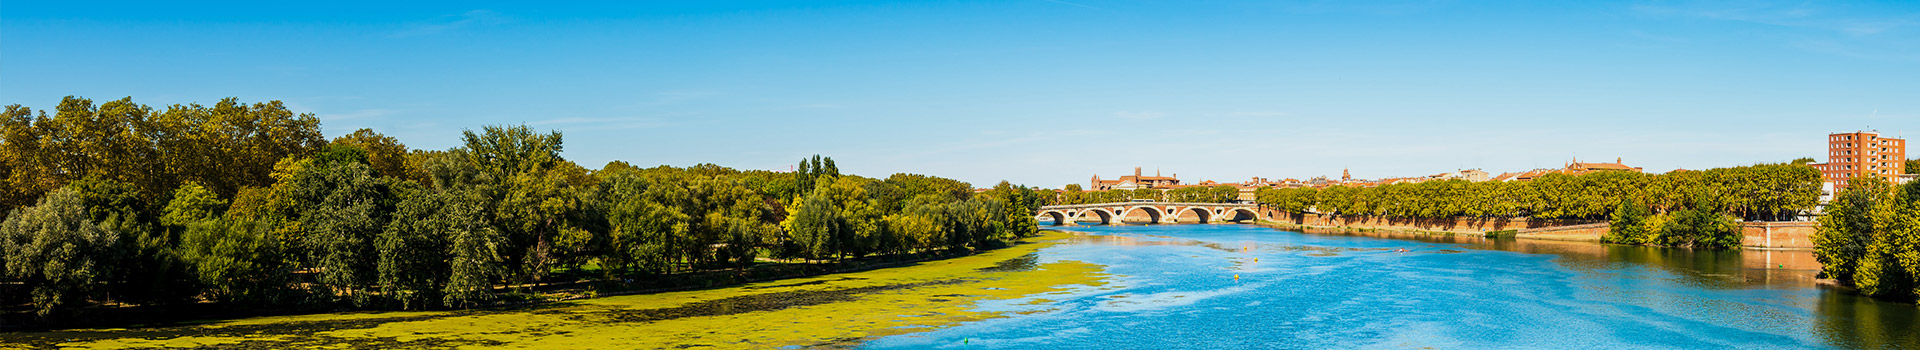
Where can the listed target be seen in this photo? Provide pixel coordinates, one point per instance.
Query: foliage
(1700, 228)
(433, 252)
(223, 147)
(1759, 192)
(247, 206)
(1870, 239)
(57, 252)
(342, 208)
(238, 260)
(1629, 225)
(386, 155)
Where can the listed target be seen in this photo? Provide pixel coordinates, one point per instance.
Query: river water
(1244, 286)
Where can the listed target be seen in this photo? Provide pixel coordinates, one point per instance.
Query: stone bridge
(1146, 213)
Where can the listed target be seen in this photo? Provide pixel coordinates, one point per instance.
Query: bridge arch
(1153, 214)
(1237, 214)
(1105, 217)
(1196, 215)
(1058, 217)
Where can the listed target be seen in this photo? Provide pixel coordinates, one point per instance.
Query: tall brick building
(1862, 154)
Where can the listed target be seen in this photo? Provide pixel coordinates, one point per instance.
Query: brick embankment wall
(1583, 232)
(1757, 234)
(1455, 224)
(1778, 234)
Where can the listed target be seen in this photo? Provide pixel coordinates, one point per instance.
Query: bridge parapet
(1151, 204)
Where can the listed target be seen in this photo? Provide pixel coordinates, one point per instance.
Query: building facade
(1136, 181)
(1862, 154)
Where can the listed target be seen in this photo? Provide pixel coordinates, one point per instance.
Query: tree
(1870, 239)
(1701, 227)
(386, 155)
(1628, 225)
(238, 260)
(192, 203)
(1072, 194)
(541, 202)
(223, 148)
(647, 226)
(343, 208)
(1018, 211)
(812, 222)
(57, 252)
(434, 252)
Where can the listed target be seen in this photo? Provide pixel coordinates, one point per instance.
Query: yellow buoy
(1236, 277)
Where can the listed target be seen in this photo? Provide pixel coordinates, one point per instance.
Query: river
(1244, 286)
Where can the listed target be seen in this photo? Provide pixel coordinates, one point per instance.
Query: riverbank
(1348, 230)
(826, 310)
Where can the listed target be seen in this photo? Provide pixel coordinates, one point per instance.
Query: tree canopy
(246, 204)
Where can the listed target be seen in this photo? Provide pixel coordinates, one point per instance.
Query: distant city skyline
(1041, 93)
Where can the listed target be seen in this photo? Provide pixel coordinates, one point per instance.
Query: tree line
(1870, 239)
(1681, 208)
(247, 204)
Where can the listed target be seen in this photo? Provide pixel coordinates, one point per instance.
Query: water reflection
(1720, 269)
(1228, 286)
(1843, 319)
(1851, 321)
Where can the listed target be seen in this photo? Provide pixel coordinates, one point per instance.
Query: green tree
(192, 203)
(224, 147)
(343, 207)
(1702, 228)
(1847, 229)
(812, 222)
(58, 253)
(433, 252)
(386, 155)
(1073, 194)
(238, 261)
(1628, 225)
(542, 203)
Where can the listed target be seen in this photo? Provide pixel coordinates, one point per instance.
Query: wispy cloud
(1827, 28)
(451, 22)
(608, 123)
(1784, 13)
(1143, 115)
(1256, 114)
(358, 114)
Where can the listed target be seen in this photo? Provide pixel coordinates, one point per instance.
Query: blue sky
(1038, 92)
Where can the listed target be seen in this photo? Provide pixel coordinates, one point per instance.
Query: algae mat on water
(824, 311)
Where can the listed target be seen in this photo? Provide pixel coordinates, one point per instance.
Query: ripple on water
(1199, 286)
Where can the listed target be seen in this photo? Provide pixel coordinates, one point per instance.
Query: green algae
(823, 311)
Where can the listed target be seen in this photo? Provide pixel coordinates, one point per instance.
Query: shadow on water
(1026, 262)
(1851, 321)
(751, 303)
(1157, 240)
(1714, 269)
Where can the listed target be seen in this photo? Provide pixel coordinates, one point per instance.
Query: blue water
(1174, 286)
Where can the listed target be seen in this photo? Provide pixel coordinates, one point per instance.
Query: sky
(1037, 92)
